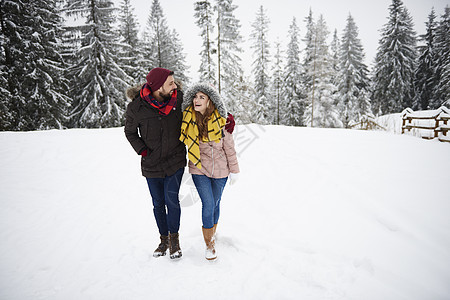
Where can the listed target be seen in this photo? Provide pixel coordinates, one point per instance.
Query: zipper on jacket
(212, 156)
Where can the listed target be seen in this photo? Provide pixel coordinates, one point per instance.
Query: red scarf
(164, 107)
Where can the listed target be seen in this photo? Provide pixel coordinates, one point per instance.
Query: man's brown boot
(162, 248)
(174, 246)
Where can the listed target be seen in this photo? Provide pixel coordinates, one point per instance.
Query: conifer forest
(56, 74)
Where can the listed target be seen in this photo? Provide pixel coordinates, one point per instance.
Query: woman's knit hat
(207, 89)
(156, 78)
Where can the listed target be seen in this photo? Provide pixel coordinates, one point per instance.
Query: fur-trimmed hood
(133, 91)
(209, 90)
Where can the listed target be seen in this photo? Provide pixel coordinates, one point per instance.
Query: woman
(211, 153)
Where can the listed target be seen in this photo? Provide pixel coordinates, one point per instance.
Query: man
(153, 127)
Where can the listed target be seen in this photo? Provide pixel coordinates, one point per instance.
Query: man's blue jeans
(210, 192)
(164, 192)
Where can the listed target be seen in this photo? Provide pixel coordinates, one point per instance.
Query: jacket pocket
(150, 130)
(152, 158)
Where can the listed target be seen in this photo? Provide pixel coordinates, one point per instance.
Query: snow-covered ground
(316, 214)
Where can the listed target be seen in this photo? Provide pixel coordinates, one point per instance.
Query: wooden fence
(366, 122)
(429, 124)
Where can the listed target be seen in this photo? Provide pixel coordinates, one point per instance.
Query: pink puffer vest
(218, 159)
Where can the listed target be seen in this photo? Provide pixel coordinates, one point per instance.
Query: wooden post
(436, 132)
(445, 131)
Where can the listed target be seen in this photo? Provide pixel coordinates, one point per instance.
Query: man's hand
(144, 152)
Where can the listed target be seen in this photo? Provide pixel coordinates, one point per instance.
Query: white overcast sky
(369, 16)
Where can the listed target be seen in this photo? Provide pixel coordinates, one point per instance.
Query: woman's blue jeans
(210, 192)
(164, 192)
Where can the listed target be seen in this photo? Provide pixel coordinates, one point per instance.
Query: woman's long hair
(202, 120)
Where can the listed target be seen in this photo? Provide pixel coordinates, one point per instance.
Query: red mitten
(229, 126)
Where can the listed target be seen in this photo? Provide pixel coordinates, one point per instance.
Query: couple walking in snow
(160, 124)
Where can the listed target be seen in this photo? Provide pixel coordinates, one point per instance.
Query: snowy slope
(316, 214)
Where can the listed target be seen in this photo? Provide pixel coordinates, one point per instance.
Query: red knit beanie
(156, 78)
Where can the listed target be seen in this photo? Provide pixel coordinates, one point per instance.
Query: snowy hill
(316, 214)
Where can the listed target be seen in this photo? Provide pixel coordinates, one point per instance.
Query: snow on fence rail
(428, 124)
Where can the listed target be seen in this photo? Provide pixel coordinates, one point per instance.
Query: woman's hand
(233, 178)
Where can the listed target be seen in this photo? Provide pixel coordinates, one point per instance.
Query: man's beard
(165, 96)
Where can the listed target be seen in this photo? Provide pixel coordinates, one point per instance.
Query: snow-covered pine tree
(157, 46)
(33, 65)
(309, 51)
(261, 56)
(13, 61)
(204, 15)
(130, 58)
(425, 78)
(98, 82)
(441, 94)
(70, 44)
(320, 111)
(393, 82)
(128, 26)
(6, 118)
(334, 48)
(292, 106)
(44, 86)
(334, 62)
(278, 81)
(162, 47)
(228, 40)
(245, 108)
(353, 81)
(178, 59)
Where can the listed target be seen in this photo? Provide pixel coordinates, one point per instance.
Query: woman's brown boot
(208, 236)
